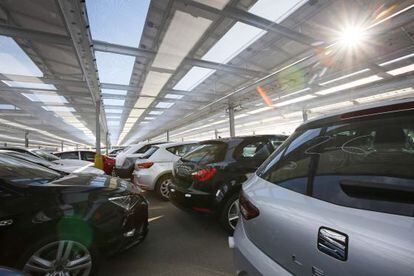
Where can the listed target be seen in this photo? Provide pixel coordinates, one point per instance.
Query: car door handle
(333, 243)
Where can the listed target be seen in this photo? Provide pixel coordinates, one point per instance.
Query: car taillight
(204, 174)
(247, 209)
(146, 165)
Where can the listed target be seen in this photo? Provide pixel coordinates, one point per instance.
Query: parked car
(337, 198)
(114, 152)
(125, 160)
(208, 179)
(87, 155)
(153, 170)
(53, 224)
(45, 155)
(87, 168)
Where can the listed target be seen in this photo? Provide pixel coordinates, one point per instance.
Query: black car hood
(92, 180)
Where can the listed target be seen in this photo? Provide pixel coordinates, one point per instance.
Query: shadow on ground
(178, 243)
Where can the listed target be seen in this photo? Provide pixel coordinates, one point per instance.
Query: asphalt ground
(178, 243)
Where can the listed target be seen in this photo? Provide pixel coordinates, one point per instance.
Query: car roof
(356, 113)
(236, 138)
(173, 144)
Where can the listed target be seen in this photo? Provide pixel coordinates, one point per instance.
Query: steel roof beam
(248, 18)
(139, 52)
(13, 31)
(22, 78)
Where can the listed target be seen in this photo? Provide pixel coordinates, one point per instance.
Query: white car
(58, 165)
(125, 160)
(153, 170)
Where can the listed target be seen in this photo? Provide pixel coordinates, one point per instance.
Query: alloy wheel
(164, 188)
(233, 214)
(60, 258)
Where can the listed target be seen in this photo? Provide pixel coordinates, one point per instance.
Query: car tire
(162, 186)
(230, 213)
(76, 257)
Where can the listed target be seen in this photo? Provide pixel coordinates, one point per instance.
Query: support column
(231, 121)
(305, 115)
(107, 143)
(216, 133)
(26, 139)
(168, 135)
(61, 145)
(98, 129)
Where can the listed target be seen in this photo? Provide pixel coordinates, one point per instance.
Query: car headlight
(127, 202)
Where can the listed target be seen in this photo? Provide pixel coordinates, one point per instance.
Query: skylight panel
(295, 100)
(13, 60)
(218, 4)
(114, 68)
(114, 92)
(143, 102)
(238, 38)
(8, 107)
(275, 11)
(55, 98)
(345, 76)
(127, 24)
(109, 117)
(164, 105)
(349, 85)
(194, 77)
(154, 82)
(59, 108)
(397, 59)
(31, 85)
(149, 118)
(113, 102)
(401, 70)
(174, 96)
(182, 34)
(156, 112)
(113, 110)
(135, 113)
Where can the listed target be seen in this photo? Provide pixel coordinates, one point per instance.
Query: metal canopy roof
(197, 58)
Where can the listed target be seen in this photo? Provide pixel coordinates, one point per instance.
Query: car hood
(93, 180)
(72, 162)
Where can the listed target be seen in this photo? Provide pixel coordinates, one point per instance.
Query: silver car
(153, 170)
(337, 198)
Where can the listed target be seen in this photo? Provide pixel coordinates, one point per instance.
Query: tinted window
(182, 150)
(17, 171)
(149, 152)
(45, 155)
(143, 149)
(259, 149)
(289, 166)
(69, 155)
(30, 158)
(368, 165)
(88, 156)
(277, 141)
(207, 153)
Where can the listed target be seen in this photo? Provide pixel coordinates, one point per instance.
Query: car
(125, 160)
(153, 170)
(337, 198)
(114, 152)
(87, 155)
(45, 155)
(88, 168)
(208, 179)
(54, 224)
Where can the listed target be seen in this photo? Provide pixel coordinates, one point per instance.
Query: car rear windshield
(20, 172)
(149, 152)
(207, 153)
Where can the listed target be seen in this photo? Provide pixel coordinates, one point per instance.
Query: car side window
(143, 149)
(258, 149)
(368, 165)
(69, 155)
(88, 156)
(181, 150)
(289, 167)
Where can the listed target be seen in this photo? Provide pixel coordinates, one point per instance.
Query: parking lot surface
(178, 243)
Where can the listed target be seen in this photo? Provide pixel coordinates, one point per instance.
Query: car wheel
(162, 186)
(230, 213)
(59, 257)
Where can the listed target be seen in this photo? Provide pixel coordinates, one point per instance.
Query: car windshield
(30, 158)
(207, 153)
(20, 172)
(45, 155)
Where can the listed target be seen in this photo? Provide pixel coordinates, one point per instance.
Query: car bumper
(249, 259)
(145, 179)
(191, 200)
(132, 229)
(124, 172)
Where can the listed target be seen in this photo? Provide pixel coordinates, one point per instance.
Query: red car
(88, 155)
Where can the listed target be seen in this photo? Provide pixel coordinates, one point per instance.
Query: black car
(53, 224)
(208, 179)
